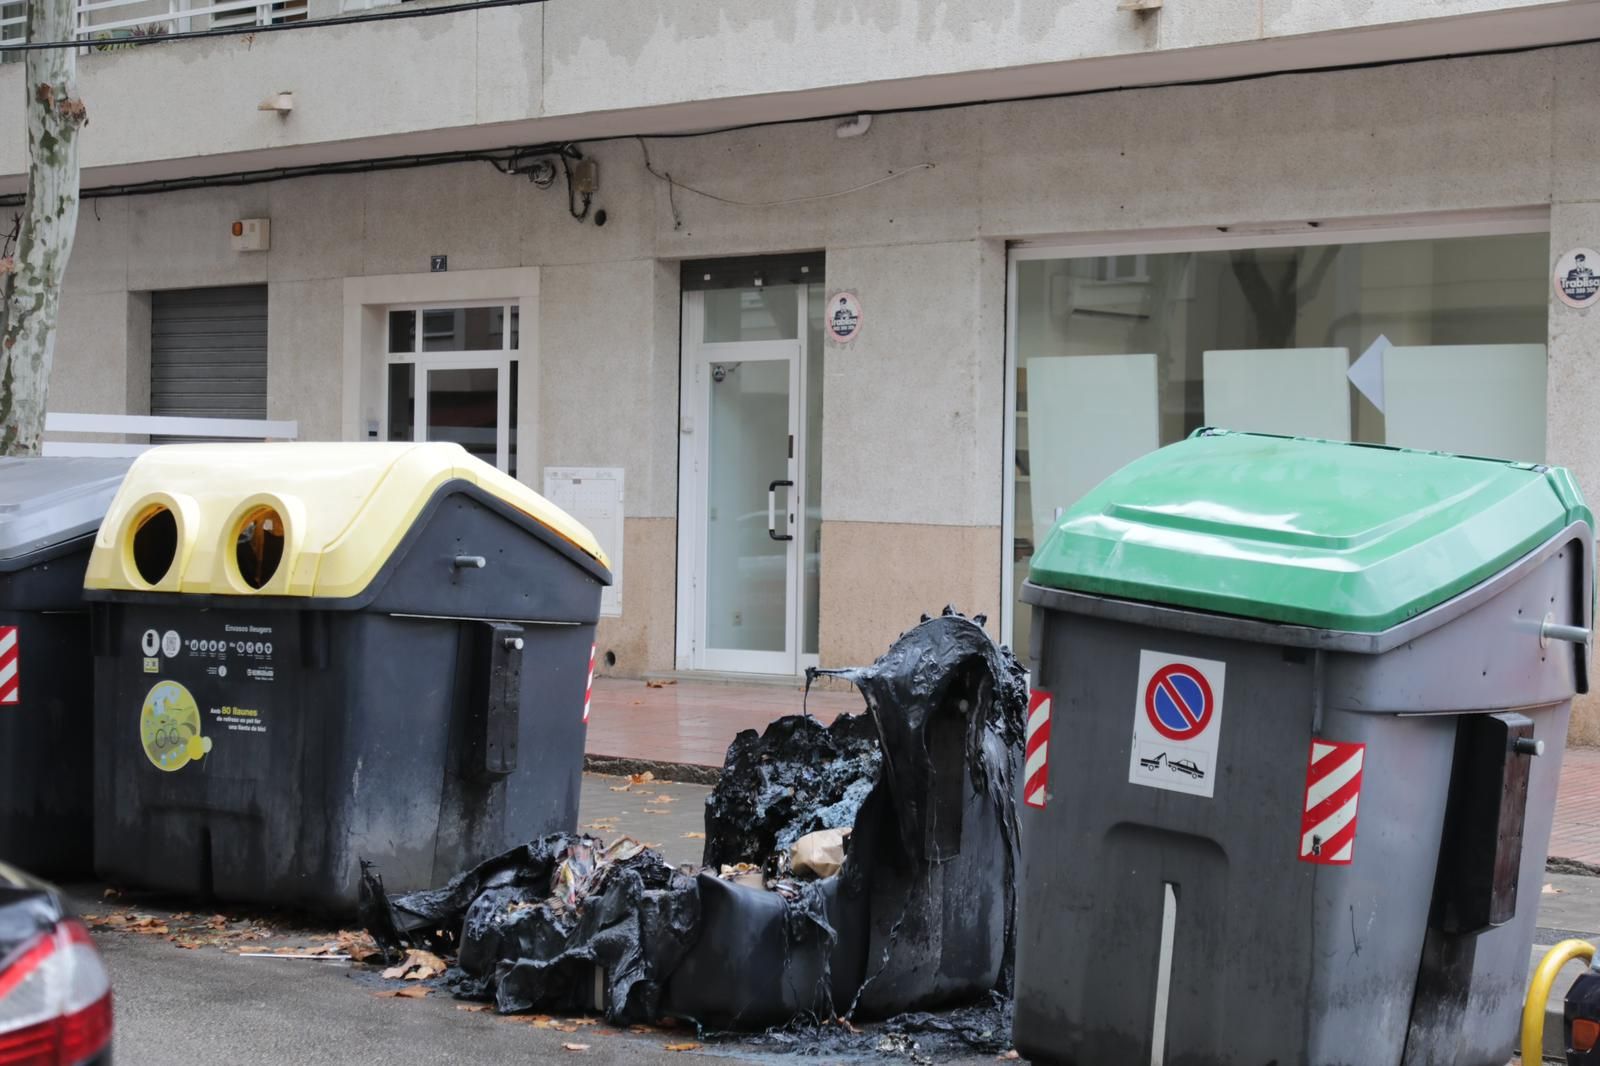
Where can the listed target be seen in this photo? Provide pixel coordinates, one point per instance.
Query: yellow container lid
(335, 512)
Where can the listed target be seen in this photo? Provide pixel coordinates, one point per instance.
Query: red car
(55, 994)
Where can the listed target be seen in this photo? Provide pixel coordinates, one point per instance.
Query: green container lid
(1305, 532)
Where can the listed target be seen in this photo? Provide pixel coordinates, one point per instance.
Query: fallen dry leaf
(656, 810)
(682, 1047)
(418, 965)
(585, 1021)
(620, 788)
(474, 1008)
(639, 779)
(111, 893)
(694, 836)
(665, 799)
(575, 1047)
(1010, 1056)
(358, 945)
(659, 682)
(641, 1030)
(564, 1027)
(408, 992)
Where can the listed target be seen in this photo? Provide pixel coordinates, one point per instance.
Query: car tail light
(55, 1000)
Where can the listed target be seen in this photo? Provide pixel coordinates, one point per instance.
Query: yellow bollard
(1539, 994)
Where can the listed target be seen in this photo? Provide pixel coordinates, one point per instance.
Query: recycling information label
(1177, 723)
(216, 679)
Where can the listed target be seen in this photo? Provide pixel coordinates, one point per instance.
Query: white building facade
(1069, 233)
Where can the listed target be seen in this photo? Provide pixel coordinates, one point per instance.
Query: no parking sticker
(1177, 723)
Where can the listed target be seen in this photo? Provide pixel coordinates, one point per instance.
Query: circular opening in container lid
(155, 544)
(259, 546)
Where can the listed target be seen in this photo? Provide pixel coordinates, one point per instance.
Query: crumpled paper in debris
(819, 854)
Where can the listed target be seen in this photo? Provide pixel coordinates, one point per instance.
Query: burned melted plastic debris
(792, 779)
(919, 917)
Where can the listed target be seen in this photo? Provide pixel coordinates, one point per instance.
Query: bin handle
(1553, 630)
(470, 562)
(1539, 994)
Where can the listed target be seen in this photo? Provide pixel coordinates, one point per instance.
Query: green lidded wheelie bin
(49, 511)
(309, 655)
(1297, 721)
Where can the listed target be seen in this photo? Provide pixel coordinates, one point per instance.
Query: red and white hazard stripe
(1333, 789)
(588, 692)
(10, 668)
(1036, 760)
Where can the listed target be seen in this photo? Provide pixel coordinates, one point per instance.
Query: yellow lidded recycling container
(309, 655)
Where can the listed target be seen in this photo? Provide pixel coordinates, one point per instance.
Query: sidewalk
(692, 722)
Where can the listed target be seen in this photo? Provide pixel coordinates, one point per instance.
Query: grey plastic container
(1417, 951)
(50, 509)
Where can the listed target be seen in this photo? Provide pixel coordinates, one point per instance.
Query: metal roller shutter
(208, 352)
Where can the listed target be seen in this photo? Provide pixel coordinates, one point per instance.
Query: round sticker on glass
(843, 317)
(1577, 281)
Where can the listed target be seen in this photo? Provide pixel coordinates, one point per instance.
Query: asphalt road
(209, 1004)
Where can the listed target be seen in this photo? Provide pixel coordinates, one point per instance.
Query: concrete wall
(581, 68)
(913, 462)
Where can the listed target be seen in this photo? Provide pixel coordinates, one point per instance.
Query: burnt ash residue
(920, 1036)
(795, 778)
(920, 916)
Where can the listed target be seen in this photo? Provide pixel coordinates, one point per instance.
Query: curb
(624, 766)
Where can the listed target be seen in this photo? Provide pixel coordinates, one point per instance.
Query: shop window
(1116, 356)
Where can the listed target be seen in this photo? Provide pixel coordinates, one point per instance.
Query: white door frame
(693, 464)
(425, 362)
(1432, 226)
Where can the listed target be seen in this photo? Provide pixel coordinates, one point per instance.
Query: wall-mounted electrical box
(252, 235)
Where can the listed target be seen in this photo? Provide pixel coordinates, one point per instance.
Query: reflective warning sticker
(10, 667)
(588, 692)
(1333, 788)
(1177, 723)
(1036, 768)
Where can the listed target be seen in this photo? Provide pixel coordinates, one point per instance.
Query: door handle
(772, 511)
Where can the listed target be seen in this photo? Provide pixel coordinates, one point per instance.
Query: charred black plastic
(1583, 1003)
(794, 778)
(522, 951)
(922, 913)
(920, 916)
(432, 721)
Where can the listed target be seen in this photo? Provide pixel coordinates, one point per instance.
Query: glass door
(749, 509)
(744, 487)
(452, 376)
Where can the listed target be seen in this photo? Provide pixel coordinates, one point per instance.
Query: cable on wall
(673, 183)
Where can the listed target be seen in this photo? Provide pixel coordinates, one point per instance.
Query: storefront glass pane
(757, 313)
(1117, 356)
